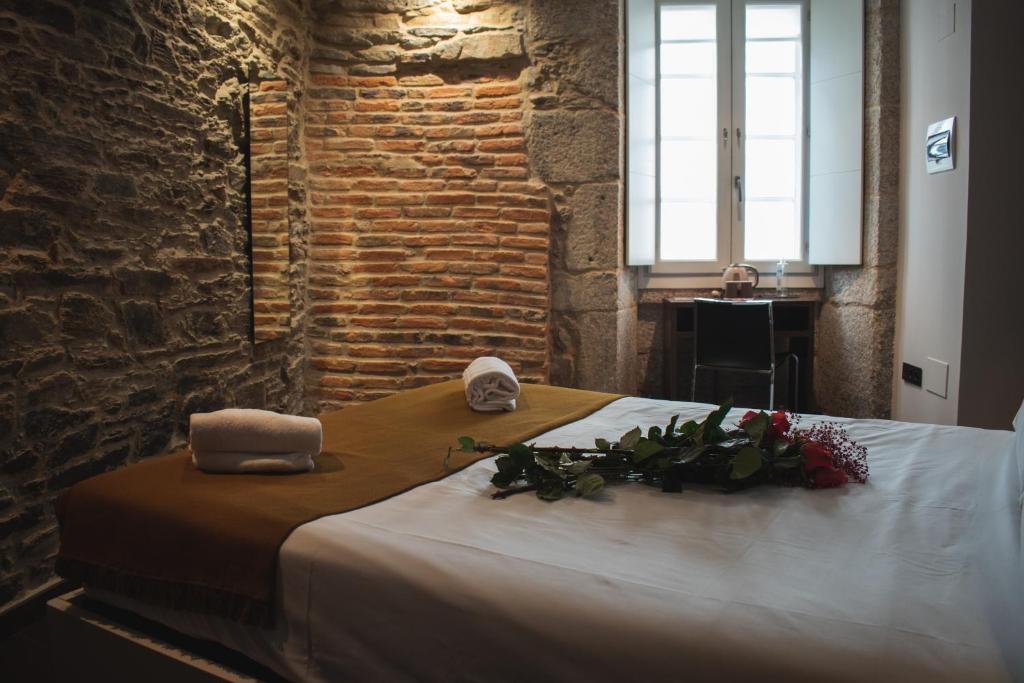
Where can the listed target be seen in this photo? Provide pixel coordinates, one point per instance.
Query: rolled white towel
(490, 384)
(225, 462)
(239, 430)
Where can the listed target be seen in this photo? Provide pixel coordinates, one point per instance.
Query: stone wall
(575, 140)
(124, 274)
(857, 322)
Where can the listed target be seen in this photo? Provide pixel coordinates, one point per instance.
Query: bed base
(92, 641)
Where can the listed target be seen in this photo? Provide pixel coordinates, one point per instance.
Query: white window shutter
(836, 132)
(641, 165)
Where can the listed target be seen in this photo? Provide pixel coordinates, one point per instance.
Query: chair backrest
(733, 334)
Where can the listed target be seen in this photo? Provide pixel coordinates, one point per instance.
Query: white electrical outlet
(936, 377)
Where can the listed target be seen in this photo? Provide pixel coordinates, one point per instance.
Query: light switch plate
(940, 146)
(936, 377)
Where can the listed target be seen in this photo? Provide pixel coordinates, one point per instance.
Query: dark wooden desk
(794, 333)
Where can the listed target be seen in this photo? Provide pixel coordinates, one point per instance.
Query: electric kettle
(736, 280)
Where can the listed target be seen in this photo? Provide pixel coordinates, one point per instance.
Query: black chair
(738, 336)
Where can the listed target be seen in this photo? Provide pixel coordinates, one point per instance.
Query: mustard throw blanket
(163, 532)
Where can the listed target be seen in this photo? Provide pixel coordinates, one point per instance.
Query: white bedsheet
(881, 581)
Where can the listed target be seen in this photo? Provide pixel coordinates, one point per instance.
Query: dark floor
(25, 653)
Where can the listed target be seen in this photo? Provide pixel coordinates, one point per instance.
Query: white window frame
(731, 20)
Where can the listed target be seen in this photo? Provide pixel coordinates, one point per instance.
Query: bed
(915, 575)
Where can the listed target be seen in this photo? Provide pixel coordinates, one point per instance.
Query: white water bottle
(780, 279)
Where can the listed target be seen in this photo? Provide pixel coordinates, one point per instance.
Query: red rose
(816, 457)
(818, 465)
(779, 425)
(827, 477)
(747, 416)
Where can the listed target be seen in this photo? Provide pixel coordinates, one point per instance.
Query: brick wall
(466, 194)
(429, 231)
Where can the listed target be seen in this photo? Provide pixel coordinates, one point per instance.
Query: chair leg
(771, 390)
(796, 382)
(693, 385)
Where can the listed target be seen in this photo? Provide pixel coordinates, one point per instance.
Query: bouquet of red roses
(763, 448)
(828, 456)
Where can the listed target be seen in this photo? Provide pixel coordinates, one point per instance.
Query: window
(731, 141)
(744, 127)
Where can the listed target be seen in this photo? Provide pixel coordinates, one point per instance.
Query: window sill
(649, 280)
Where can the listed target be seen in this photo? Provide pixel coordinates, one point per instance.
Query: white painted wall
(933, 209)
(991, 362)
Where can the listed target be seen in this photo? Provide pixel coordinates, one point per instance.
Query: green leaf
(692, 454)
(689, 428)
(579, 467)
(645, 448)
(602, 444)
(654, 433)
(551, 489)
(659, 464)
(447, 459)
(734, 444)
(521, 454)
(589, 484)
(747, 462)
(716, 416)
(502, 480)
(507, 465)
(787, 463)
(756, 426)
(710, 430)
(670, 428)
(548, 458)
(467, 443)
(630, 438)
(709, 434)
(780, 447)
(551, 462)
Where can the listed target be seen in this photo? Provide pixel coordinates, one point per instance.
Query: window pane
(689, 231)
(689, 107)
(688, 58)
(771, 231)
(773, 21)
(771, 106)
(772, 57)
(688, 89)
(689, 22)
(773, 149)
(689, 170)
(771, 169)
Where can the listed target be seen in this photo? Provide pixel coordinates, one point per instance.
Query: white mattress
(908, 577)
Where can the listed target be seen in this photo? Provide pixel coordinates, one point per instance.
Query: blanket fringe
(169, 594)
